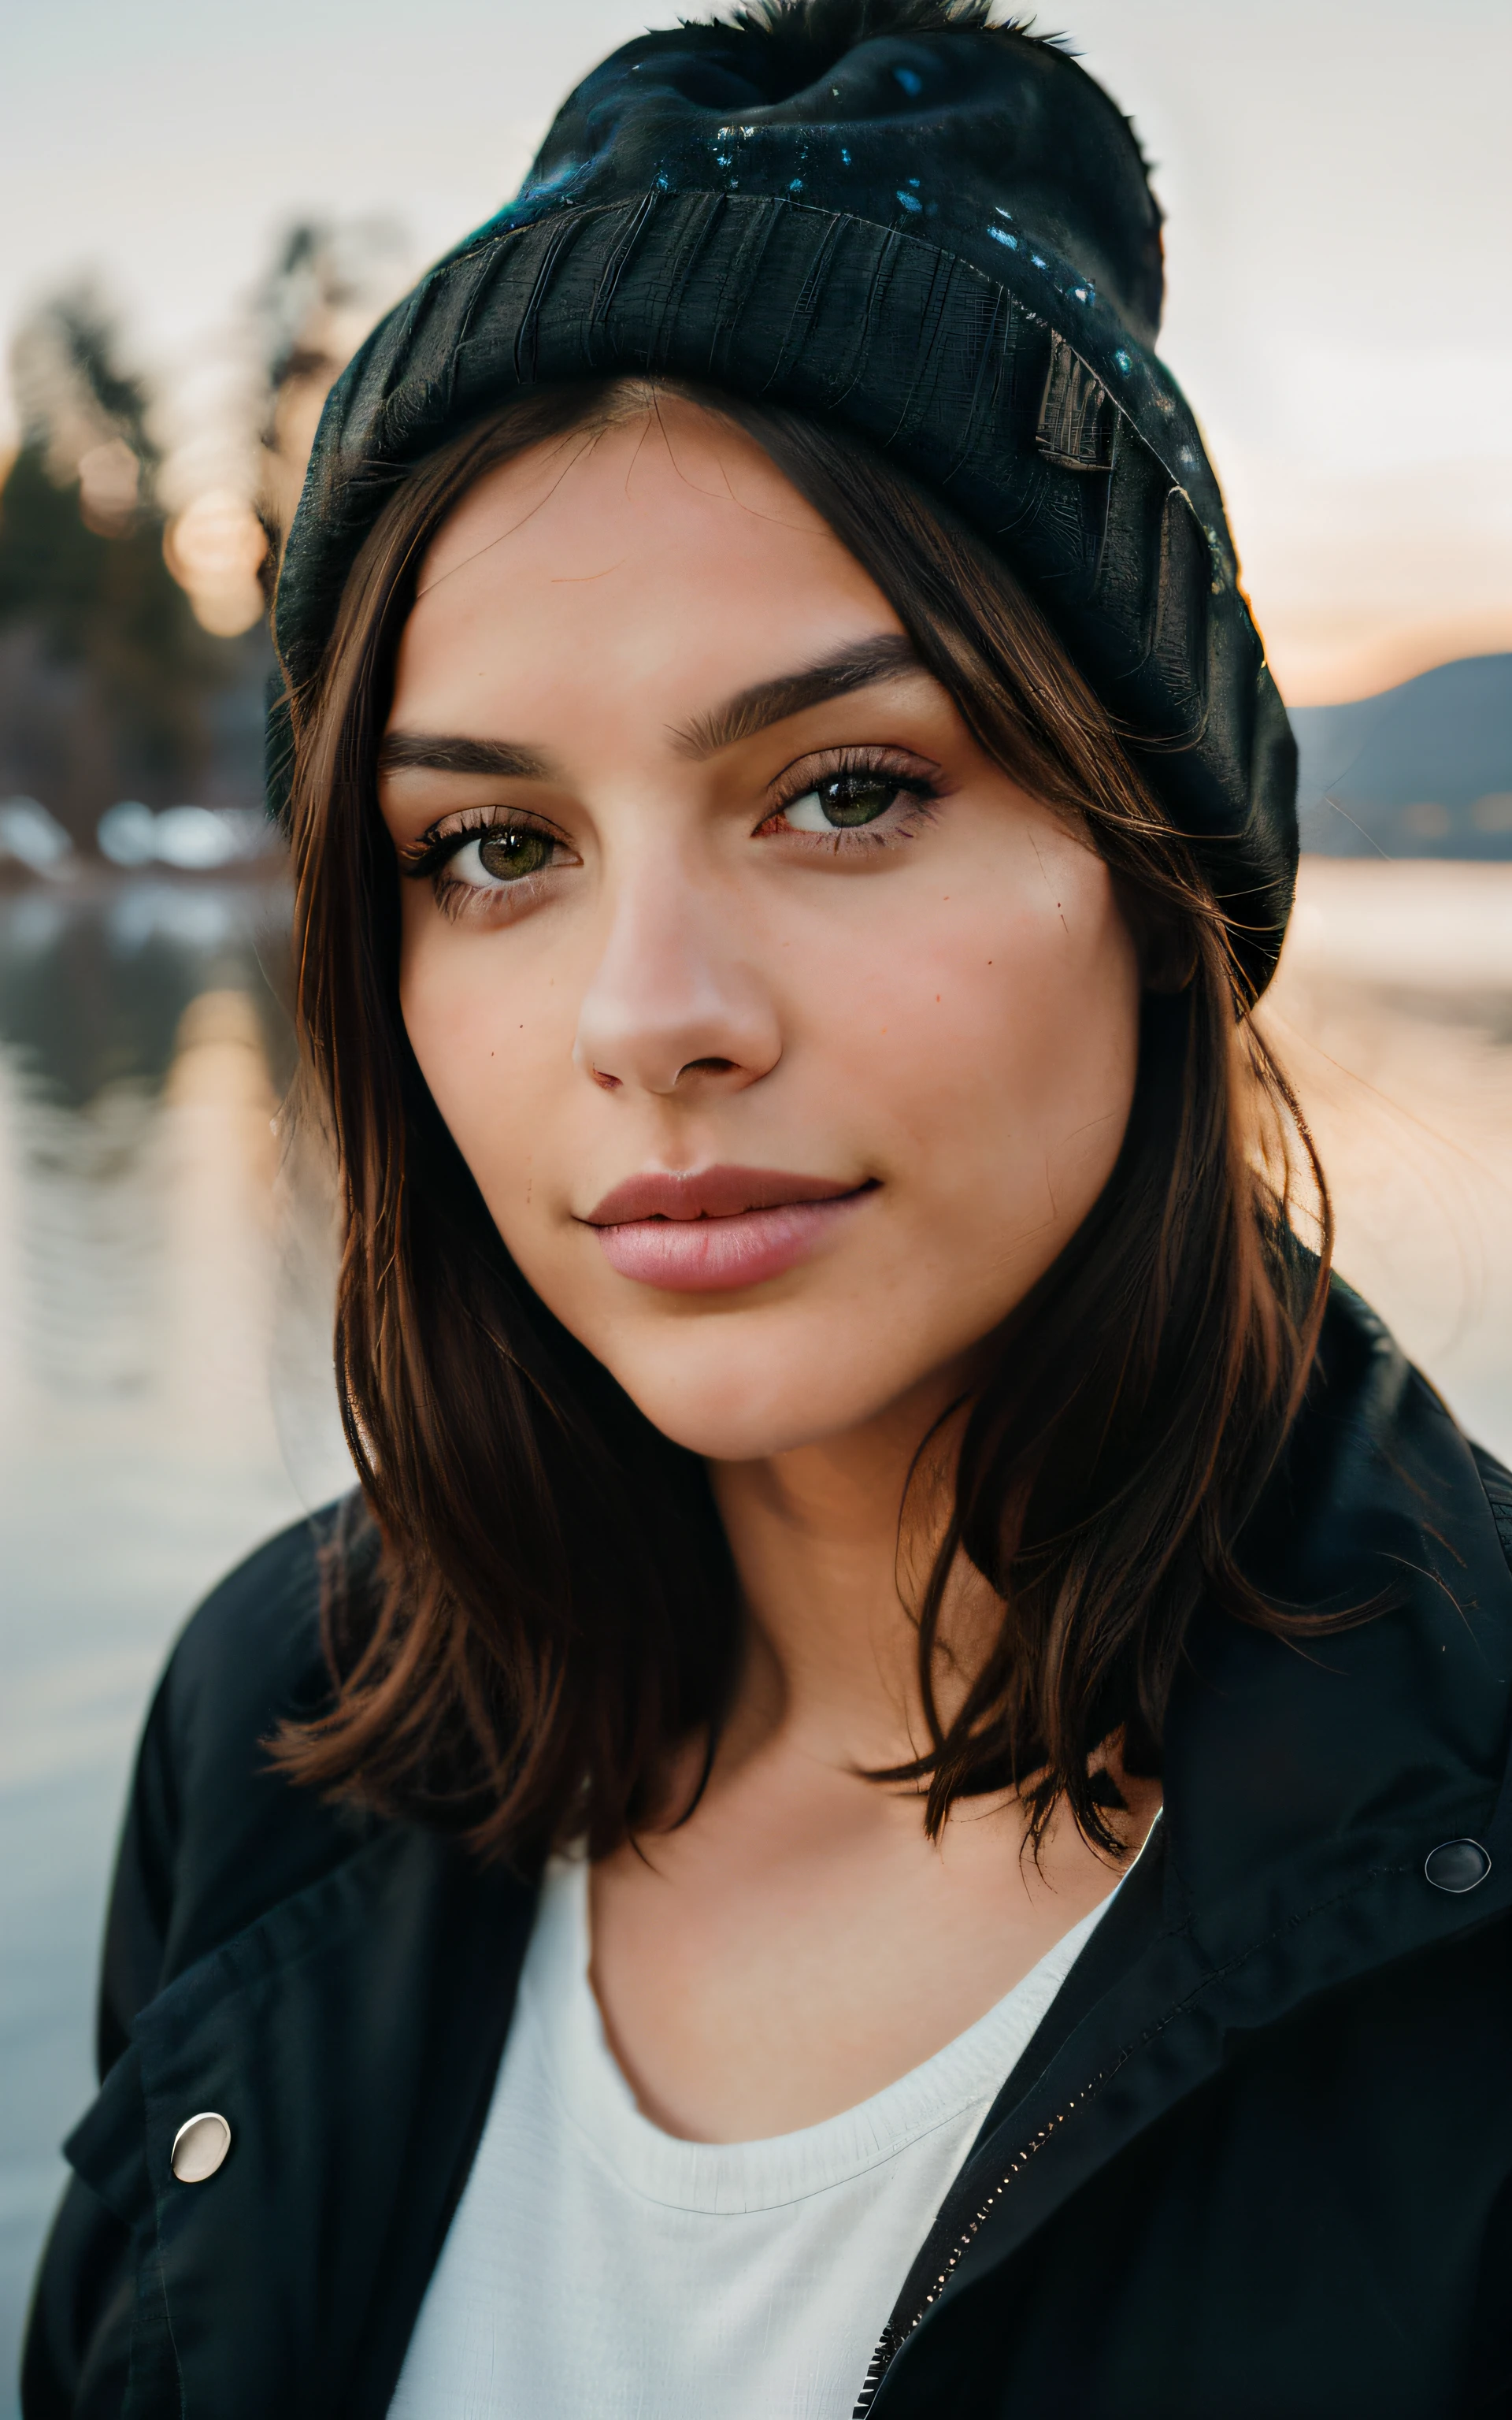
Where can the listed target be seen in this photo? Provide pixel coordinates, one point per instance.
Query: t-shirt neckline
(729, 2178)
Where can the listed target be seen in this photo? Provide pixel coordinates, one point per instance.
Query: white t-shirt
(598, 2269)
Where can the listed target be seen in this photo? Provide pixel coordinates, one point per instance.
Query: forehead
(674, 457)
(667, 551)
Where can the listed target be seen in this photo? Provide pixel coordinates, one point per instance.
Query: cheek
(491, 1038)
(1000, 1045)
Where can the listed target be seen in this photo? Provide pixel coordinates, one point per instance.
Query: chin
(729, 1401)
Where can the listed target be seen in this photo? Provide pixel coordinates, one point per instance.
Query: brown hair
(553, 1609)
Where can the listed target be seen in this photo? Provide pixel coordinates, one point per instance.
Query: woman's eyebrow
(404, 752)
(889, 656)
(886, 657)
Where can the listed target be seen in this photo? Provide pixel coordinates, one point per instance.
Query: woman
(889, 1798)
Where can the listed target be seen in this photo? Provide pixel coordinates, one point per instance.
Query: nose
(675, 1006)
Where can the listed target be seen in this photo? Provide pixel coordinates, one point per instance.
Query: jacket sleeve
(78, 2340)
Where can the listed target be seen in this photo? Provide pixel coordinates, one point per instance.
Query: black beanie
(935, 231)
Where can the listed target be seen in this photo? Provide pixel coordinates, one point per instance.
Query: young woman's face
(787, 1039)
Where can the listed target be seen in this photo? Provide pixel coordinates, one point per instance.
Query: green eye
(843, 802)
(504, 853)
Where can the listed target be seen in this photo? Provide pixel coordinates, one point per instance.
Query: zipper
(892, 2340)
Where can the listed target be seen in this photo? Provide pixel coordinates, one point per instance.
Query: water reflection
(143, 1049)
(1393, 1012)
(164, 1376)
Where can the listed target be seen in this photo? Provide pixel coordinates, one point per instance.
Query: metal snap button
(1456, 1865)
(199, 2147)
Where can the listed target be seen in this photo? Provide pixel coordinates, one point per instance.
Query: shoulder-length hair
(552, 1616)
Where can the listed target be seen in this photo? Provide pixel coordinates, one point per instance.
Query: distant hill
(1422, 770)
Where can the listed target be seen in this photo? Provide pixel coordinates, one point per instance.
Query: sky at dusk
(1337, 180)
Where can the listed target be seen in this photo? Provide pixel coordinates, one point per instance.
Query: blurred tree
(108, 686)
(133, 646)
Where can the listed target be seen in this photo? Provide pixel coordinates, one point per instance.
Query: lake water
(146, 1310)
(165, 1376)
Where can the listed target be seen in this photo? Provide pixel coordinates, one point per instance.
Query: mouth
(716, 1228)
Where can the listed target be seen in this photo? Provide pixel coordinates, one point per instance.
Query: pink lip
(716, 1228)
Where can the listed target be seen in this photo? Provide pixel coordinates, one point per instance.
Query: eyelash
(916, 797)
(427, 858)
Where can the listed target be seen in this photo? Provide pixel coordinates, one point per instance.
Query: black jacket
(1257, 2164)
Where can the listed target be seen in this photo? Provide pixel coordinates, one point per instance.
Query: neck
(829, 1578)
